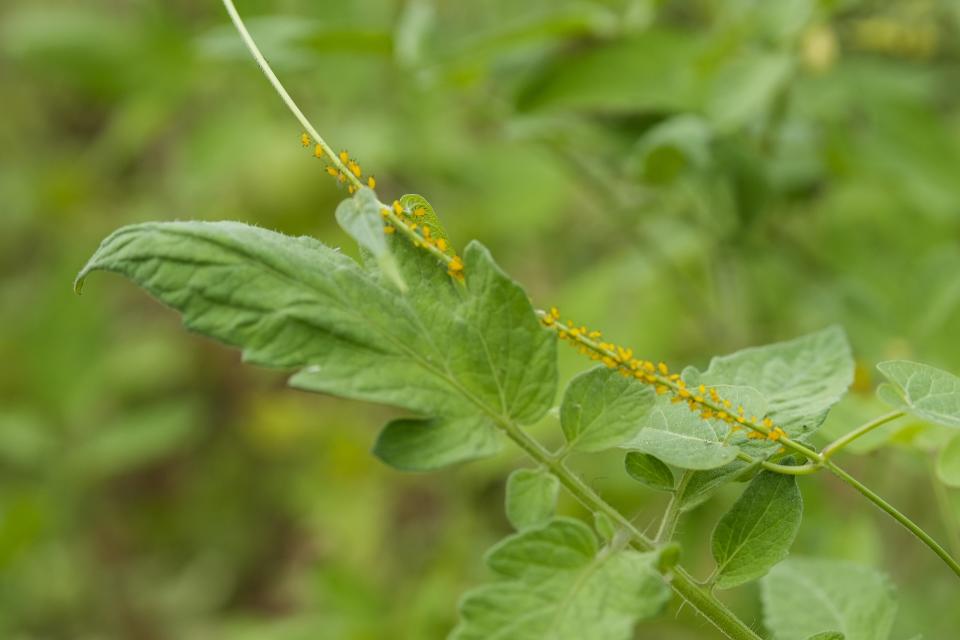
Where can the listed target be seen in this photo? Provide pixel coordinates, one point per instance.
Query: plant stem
(682, 582)
(911, 526)
(798, 470)
(668, 525)
(282, 92)
(843, 441)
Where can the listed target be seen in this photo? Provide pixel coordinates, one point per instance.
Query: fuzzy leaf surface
(758, 530)
(554, 583)
(649, 471)
(602, 409)
(531, 498)
(927, 392)
(800, 379)
(803, 597)
(443, 351)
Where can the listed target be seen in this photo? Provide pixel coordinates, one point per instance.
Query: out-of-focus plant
(455, 341)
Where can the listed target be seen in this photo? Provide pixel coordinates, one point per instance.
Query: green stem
(843, 441)
(910, 525)
(668, 526)
(682, 582)
(798, 470)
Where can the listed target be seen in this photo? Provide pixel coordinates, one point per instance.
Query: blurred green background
(690, 176)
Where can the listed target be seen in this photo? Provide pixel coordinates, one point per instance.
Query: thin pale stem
(798, 470)
(860, 431)
(282, 92)
(910, 525)
(668, 525)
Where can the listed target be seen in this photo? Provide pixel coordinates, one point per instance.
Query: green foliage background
(690, 177)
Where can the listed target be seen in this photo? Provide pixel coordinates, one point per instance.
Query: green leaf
(948, 463)
(553, 583)
(806, 596)
(412, 202)
(682, 438)
(442, 350)
(744, 89)
(649, 471)
(827, 635)
(927, 392)
(531, 497)
(800, 379)
(424, 445)
(360, 217)
(758, 530)
(602, 409)
(703, 484)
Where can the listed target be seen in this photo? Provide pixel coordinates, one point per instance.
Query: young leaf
(803, 597)
(440, 351)
(800, 379)
(425, 214)
(948, 463)
(554, 584)
(531, 497)
(758, 530)
(602, 409)
(649, 471)
(360, 217)
(927, 392)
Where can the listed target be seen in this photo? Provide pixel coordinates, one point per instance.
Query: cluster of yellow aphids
(346, 161)
(413, 221)
(703, 400)
(416, 221)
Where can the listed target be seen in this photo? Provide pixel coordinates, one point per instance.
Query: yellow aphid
(426, 231)
(555, 312)
(344, 157)
(354, 168)
(351, 189)
(442, 245)
(595, 334)
(419, 211)
(318, 151)
(333, 171)
(547, 320)
(662, 389)
(768, 423)
(371, 182)
(456, 265)
(702, 389)
(662, 367)
(389, 229)
(397, 207)
(305, 140)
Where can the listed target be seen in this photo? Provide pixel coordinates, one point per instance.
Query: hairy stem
(682, 582)
(668, 525)
(862, 430)
(910, 525)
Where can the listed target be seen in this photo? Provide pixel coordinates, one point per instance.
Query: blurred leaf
(744, 89)
(555, 583)
(758, 531)
(649, 471)
(806, 596)
(948, 463)
(603, 409)
(531, 498)
(926, 392)
(651, 71)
